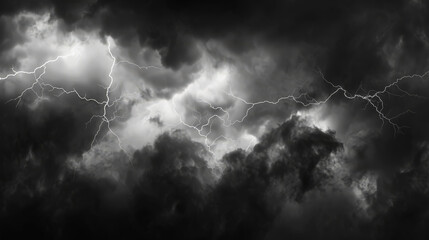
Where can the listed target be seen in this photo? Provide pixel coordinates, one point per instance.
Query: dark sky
(214, 120)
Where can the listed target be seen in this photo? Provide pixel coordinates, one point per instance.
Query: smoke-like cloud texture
(214, 120)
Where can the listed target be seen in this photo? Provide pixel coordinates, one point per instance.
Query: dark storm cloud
(346, 37)
(282, 188)
(339, 28)
(35, 145)
(46, 136)
(405, 195)
(354, 43)
(281, 168)
(350, 41)
(12, 32)
(323, 215)
(169, 190)
(374, 146)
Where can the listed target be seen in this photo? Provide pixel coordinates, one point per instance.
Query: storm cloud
(214, 120)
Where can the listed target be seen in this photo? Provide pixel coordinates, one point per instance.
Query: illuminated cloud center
(211, 107)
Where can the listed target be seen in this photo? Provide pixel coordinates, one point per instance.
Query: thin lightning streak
(43, 66)
(105, 118)
(36, 78)
(375, 98)
(204, 129)
(200, 130)
(249, 145)
(372, 98)
(106, 104)
(138, 66)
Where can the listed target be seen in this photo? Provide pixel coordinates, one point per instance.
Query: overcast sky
(214, 120)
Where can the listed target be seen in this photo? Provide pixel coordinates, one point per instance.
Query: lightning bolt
(106, 104)
(37, 77)
(200, 129)
(375, 98)
(109, 106)
(372, 98)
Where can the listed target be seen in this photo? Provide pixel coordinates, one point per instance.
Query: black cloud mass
(365, 176)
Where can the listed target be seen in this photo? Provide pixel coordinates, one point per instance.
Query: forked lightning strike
(372, 98)
(107, 116)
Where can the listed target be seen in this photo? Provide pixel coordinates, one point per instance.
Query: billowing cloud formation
(287, 184)
(163, 119)
(169, 190)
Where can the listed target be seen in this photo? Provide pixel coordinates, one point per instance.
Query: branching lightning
(109, 106)
(37, 78)
(375, 100)
(372, 98)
